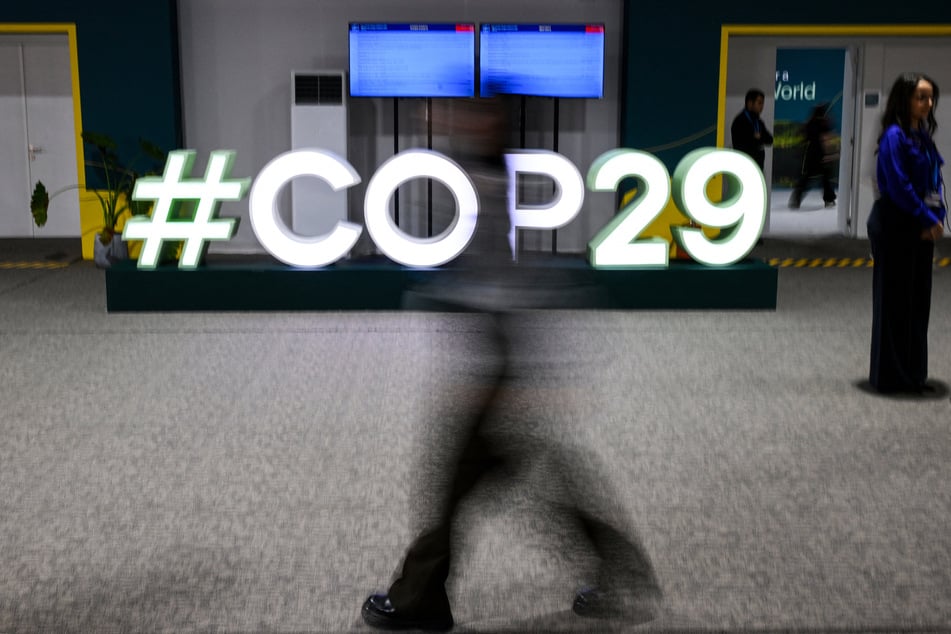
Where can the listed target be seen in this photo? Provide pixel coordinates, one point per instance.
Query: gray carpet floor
(257, 472)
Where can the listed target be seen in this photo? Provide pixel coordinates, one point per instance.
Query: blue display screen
(546, 60)
(412, 60)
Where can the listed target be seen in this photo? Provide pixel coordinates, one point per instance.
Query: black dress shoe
(378, 612)
(600, 604)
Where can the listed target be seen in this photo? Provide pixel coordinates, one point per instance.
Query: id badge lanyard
(753, 121)
(937, 180)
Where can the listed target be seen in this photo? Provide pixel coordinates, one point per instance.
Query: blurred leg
(419, 590)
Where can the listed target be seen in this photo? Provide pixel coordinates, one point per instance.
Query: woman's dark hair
(897, 110)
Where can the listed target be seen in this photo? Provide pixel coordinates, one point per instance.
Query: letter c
(285, 245)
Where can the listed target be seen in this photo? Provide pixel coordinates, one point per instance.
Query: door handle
(34, 150)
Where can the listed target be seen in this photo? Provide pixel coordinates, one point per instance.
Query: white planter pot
(104, 255)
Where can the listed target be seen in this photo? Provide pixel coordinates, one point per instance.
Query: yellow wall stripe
(824, 263)
(853, 30)
(33, 265)
(839, 263)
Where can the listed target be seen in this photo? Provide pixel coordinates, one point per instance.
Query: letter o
(406, 249)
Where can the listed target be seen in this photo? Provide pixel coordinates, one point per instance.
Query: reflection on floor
(812, 219)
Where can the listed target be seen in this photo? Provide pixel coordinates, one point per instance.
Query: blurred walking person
(464, 444)
(818, 157)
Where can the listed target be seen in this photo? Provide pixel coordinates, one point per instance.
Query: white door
(845, 222)
(751, 62)
(37, 134)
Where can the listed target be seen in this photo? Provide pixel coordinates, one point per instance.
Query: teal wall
(672, 57)
(128, 66)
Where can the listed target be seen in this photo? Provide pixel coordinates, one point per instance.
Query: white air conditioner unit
(318, 120)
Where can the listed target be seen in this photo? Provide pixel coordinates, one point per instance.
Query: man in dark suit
(749, 134)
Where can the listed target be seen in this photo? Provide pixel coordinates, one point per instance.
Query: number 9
(741, 216)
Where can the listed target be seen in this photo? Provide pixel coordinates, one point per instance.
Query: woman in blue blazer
(904, 224)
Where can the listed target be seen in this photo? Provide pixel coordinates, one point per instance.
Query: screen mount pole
(396, 150)
(554, 232)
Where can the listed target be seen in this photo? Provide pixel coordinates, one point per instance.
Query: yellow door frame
(671, 215)
(90, 217)
(777, 30)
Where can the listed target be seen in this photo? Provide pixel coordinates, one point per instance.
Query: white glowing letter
(274, 235)
(616, 244)
(406, 249)
(566, 201)
(741, 216)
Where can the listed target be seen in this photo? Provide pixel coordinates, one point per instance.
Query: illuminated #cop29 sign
(740, 217)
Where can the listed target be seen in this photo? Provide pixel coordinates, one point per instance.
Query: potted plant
(115, 197)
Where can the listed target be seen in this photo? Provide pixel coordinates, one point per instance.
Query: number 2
(740, 216)
(616, 243)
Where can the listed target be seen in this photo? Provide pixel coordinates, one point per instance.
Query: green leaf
(152, 151)
(102, 142)
(39, 204)
(118, 181)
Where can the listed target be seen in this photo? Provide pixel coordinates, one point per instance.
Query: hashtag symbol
(172, 187)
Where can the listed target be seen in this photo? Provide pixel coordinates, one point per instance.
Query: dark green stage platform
(379, 284)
